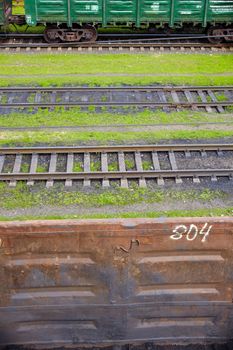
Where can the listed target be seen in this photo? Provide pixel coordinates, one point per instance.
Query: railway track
(146, 42)
(204, 98)
(228, 346)
(117, 164)
(112, 47)
(151, 346)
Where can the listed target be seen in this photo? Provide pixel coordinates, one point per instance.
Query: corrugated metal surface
(132, 11)
(220, 10)
(121, 10)
(189, 10)
(55, 10)
(161, 10)
(86, 10)
(116, 281)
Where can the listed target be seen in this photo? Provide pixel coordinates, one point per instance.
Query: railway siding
(131, 280)
(117, 163)
(205, 98)
(27, 46)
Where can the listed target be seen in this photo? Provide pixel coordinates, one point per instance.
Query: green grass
(74, 117)
(4, 99)
(59, 69)
(78, 167)
(221, 97)
(155, 214)
(9, 138)
(41, 169)
(147, 165)
(129, 164)
(95, 166)
(23, 196)
(113, 166)
(25, 168)
(198, 79)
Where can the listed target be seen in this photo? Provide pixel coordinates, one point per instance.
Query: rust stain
(109, 281)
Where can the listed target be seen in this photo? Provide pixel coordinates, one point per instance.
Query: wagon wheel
(214, 34)
(90, 34)
(50, 35)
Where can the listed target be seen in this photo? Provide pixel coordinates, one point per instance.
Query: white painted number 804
(191, 232)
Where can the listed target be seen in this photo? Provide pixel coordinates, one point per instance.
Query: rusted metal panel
(116, 281)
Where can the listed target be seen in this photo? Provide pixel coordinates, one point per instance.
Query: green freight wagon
(5, 11)
(77, 20)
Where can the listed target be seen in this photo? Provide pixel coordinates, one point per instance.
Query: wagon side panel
(116, 281)
(155, 11)
(49, 11)
(220, 11)
(86, 11)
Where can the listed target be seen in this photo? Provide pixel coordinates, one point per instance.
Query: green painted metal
(188, 11)
(205, 13)
(172, 13)
(104, 14)
(138, 13)
(128, 12)
(5, 11)
(69, 14)
(1, 13)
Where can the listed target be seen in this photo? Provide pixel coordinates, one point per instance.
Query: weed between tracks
(24, 197)
(75, 117)
(113, 203)
(105, 138)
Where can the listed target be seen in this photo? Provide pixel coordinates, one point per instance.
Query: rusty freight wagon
(78, 20)
(113, 282)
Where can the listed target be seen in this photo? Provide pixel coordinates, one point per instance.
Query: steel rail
(116, 35)
(100, 175)
(144, 37)
(173, 38)
(124, 148)
(116, 88)
(113, 104)
(107, 44)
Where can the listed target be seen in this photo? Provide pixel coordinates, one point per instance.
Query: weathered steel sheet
(116, 281)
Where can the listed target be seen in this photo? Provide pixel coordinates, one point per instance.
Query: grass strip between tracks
(115, 69)
(22, 197)
(74, 117)
(9, 138)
